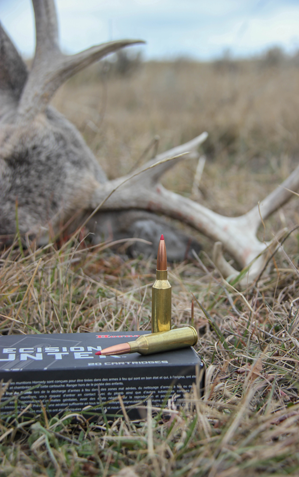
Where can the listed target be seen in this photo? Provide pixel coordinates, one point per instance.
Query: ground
(247, 422)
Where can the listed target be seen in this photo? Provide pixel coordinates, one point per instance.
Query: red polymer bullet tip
(162, 237)
(98, 353)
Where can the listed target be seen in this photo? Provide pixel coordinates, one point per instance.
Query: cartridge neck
(161, 274)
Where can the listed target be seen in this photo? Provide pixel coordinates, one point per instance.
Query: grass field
(247, 422)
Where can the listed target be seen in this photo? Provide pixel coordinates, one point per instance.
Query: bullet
(161, 293)
(155, 342)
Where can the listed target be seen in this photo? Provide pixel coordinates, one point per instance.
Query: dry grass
(247, 423)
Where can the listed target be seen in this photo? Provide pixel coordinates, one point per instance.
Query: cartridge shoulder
(161, 284)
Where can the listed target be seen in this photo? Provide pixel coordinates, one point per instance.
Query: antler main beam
(237, 234)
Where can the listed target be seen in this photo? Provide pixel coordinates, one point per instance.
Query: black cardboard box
(62, 372)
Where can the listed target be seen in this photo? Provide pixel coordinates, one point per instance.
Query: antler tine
(72, 64)
(230, 273)
(50, 67)
(275, 200)
(189, 149)
(13, 71)
(146, 177)
(221, 264)
(46, 27)
(255, 269)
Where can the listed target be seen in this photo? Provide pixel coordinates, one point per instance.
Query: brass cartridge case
(170, 340)
(161, 303)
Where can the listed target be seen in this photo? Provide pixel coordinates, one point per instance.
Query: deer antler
(237, 234)
(45, 164)
(50, 67)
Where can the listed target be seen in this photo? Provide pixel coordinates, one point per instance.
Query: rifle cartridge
(161, 293)
(155, 342)
(167, 341)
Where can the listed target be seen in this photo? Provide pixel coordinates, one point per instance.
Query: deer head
(48, 174)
